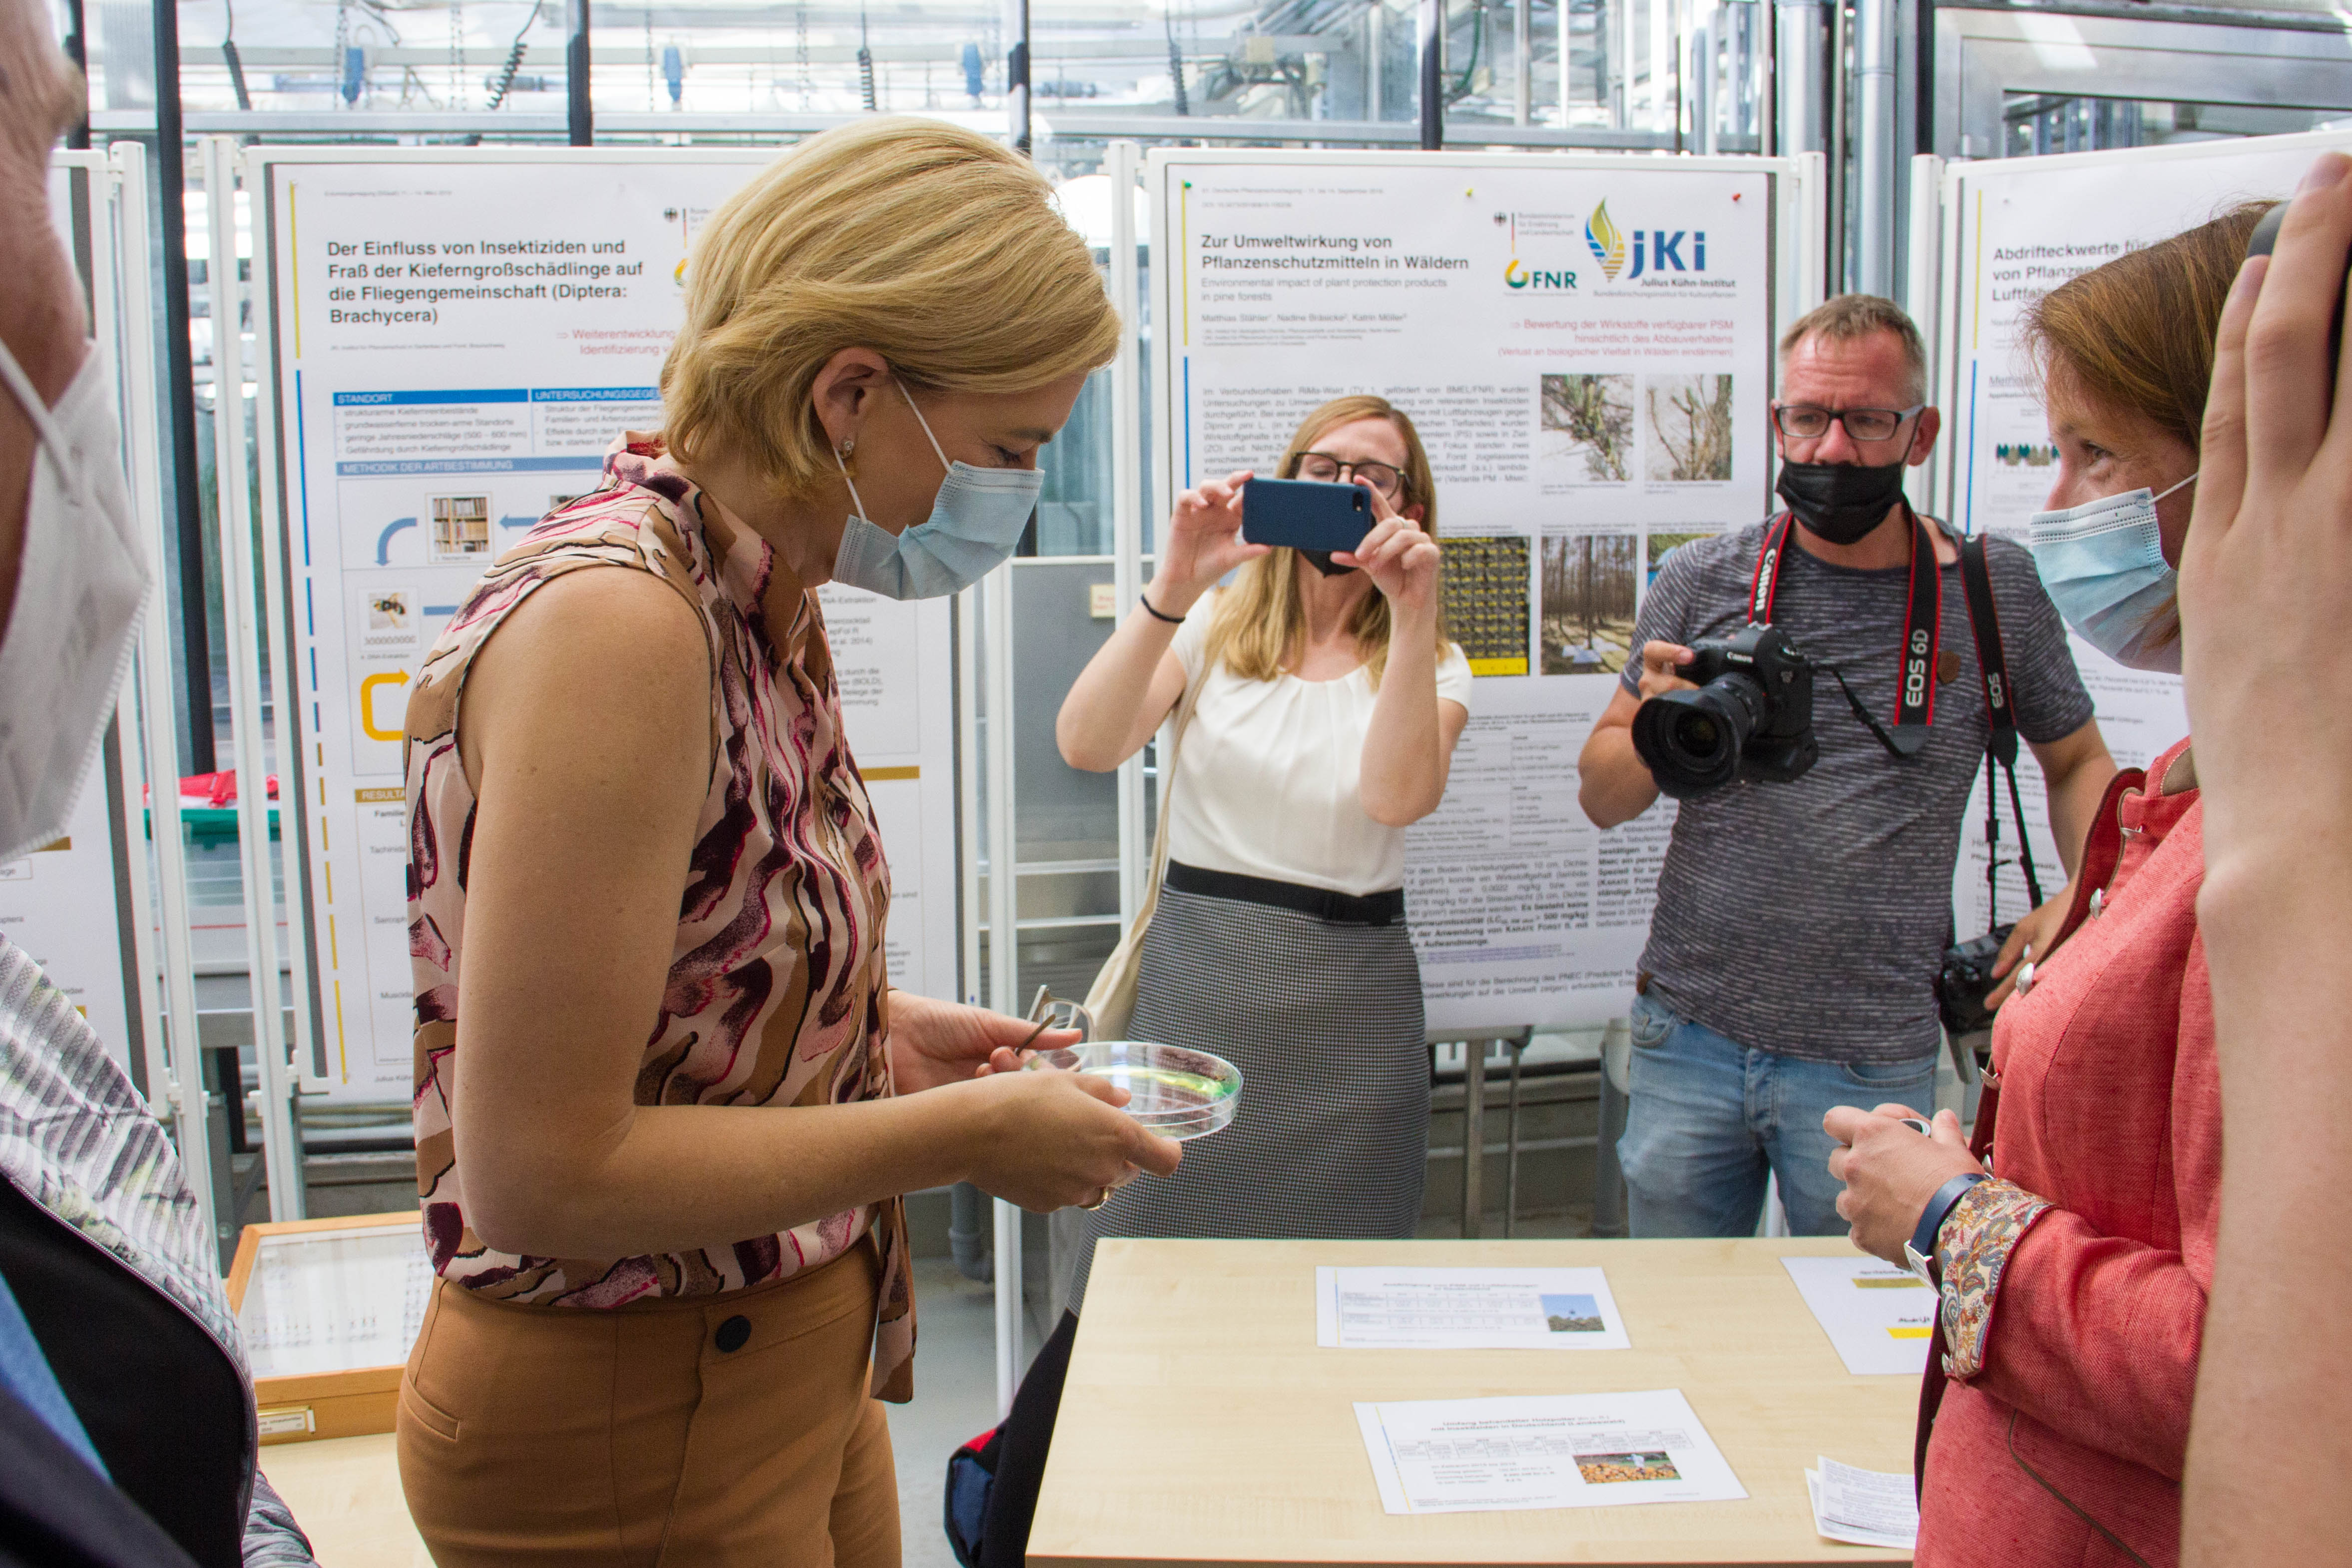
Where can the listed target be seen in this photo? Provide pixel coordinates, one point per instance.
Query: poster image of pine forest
(1587, 603)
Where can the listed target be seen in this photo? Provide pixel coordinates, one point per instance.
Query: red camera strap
(1914, 694)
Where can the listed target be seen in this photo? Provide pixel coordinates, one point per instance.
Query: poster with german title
(1585, 346)
(457, 344)
(2023, 226)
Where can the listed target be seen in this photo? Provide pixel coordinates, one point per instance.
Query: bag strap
(2102, 853)
(2001, 731)
(1186, 706)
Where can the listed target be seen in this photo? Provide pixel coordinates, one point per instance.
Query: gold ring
(1101, 1199)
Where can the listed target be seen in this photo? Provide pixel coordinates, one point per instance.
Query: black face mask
(1841, 501)
(1321, 561)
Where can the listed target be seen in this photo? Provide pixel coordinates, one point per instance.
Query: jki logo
(1651, 250)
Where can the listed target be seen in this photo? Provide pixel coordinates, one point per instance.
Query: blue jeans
(1708, 1118)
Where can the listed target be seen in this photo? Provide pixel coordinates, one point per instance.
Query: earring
(849, 446)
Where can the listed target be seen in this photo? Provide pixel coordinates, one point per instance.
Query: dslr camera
(1966, 979)
(1751, 717)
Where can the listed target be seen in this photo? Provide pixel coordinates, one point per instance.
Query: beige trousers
(703, 1432)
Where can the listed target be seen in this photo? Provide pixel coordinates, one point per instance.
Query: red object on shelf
(214, 789)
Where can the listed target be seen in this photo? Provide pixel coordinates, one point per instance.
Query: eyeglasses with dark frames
(1803, 422)
(1325, 469)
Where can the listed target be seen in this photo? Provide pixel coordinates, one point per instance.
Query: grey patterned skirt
(1324, 1021)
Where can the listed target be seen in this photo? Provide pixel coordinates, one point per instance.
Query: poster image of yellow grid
(1486, 588)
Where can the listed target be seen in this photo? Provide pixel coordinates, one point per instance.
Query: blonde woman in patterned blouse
(664, 1096)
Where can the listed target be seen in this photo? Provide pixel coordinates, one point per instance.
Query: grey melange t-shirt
(1809, 918)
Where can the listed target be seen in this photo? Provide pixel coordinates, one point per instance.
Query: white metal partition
(240, 578)
(123, 306)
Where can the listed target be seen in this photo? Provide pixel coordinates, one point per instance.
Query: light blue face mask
(974, 525)
(2103, 564)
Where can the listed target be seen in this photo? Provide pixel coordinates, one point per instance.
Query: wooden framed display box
(328, 1308)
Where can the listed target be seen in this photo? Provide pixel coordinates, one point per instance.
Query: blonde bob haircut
(930, 245)
(1261, 621)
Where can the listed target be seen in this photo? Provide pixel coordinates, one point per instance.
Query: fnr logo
(1653, 250)
(1519, 274)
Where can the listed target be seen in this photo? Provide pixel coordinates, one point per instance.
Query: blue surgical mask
(973, 527)
(2103, 564)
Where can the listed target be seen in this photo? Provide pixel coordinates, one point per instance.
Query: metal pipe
(1840, 166)
(1616, 61)
(1003, 937)
(1562, 12)
(76, 45)
(1124, 164)
(1523, 84)
(1473, 1137)
(1376, 43)
(1702, 90)
(1433, 75)
(522, 124)
(1873, 146)
(967, 1242)
(1511, 1142)
(1016, 77)
(180, 387)
(1800, 78)
(580, 114)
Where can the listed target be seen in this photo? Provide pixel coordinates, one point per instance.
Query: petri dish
(1178, 1093)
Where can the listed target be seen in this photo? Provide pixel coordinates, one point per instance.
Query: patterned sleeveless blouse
(776, 987)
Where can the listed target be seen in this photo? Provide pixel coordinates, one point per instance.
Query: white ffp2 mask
(79, 590)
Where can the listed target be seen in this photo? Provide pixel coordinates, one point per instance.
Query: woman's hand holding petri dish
(1173, 1091)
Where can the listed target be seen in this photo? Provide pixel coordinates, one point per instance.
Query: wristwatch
(1920, 1250)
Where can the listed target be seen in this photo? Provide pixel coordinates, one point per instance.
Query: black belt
(1340, 909)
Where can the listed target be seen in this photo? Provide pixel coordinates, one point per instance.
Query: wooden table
(1201, 1425)
(345, 1493)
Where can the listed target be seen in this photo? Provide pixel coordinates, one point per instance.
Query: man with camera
(1806, 898)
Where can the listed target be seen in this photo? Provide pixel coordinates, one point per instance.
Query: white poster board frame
(1795, 254)
(2009, 229)
(282, 566)
(152, 963)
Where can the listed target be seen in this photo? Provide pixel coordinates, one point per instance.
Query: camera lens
(1695, 734)
(1691, 739)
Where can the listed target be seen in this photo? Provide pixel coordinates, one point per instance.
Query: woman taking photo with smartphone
(1323, 705)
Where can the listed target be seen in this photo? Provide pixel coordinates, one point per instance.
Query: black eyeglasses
(1802, 422)
(1325, 469)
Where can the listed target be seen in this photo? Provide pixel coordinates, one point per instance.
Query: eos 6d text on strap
(1914, 694)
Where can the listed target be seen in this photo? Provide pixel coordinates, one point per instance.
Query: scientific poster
(458, 343)
(2026, 225)
(1585, 346)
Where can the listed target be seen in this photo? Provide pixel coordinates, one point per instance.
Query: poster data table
(1201, 1425)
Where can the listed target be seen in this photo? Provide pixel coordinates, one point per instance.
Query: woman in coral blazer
(2073, 1272)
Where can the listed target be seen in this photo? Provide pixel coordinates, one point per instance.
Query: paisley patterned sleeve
(1972, 1252)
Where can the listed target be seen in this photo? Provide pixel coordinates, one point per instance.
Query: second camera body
(1750, 719)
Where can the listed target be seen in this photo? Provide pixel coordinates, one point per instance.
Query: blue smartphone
(1305, 514)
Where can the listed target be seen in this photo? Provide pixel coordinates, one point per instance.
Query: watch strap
(1921, 1248)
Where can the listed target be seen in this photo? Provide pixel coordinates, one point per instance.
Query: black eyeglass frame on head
(1898, 417)
(1343, 471)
